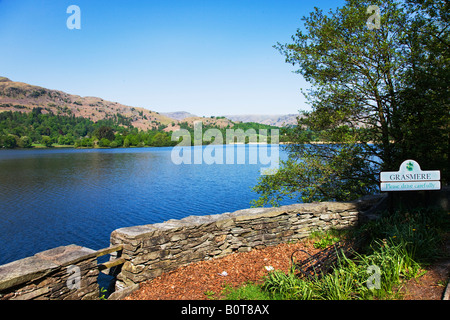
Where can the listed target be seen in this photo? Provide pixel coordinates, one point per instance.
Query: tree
(9, 142)
(47, 141)
(25, 142)
(424, 133)
(104, 142)
(105, 132)
(126, 143)
(66, 140)
(362, 81)
(160, 139)
(118, 140)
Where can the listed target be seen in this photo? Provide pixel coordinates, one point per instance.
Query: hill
(19, 96)
(23, 97)
(32, 116)
(178, 115)
(220, 122)
(272, 120)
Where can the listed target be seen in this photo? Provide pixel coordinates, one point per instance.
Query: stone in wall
(150, 250)
(45, 276)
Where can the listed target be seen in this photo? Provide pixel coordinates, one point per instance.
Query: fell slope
(23, 97)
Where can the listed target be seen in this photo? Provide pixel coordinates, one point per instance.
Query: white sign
(410, 178)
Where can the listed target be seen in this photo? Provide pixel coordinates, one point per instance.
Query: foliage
(324, 239)
(253, 132)
(46, 141)
(104, 132)
(19, 129)
(50, 129)
(400, 245)
(102, 294)
(249, 291)
(24, 142)
(421, 230)
(378, 97)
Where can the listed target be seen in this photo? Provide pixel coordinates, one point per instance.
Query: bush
(104, 142)
(25, 142)
(86, 142)
(47, 141)
(288, 286)
(9, 142)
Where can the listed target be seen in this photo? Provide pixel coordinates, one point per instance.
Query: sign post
(409, 178)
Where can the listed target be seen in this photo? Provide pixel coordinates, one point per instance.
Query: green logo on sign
(409, 166)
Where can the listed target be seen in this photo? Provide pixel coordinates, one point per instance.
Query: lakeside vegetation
(38, 130)
(26, 130)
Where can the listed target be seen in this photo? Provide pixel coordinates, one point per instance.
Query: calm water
(58, 197)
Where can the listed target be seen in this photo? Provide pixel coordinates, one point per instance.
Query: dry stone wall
(150, 250)
(70, 272)
(63, 273)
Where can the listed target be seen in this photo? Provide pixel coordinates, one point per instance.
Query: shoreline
(57, 146)
(39, 146)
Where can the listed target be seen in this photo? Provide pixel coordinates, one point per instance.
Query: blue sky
(210, 57)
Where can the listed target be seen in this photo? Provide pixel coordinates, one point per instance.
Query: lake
(54, 197)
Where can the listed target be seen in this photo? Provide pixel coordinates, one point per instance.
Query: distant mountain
(273, 120)
(213, 121)
(178, 115)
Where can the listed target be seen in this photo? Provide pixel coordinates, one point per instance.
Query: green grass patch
(325, 238)
(248, 291)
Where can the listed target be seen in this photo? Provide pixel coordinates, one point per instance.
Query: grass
(398, 248)
(42, 146)
(323, 239)
(249, 291)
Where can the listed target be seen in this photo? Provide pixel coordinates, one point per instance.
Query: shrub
(9, 142)
(104, 142)
(25, 142)
(47, 141)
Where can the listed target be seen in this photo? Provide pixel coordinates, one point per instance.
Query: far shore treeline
(38, 129)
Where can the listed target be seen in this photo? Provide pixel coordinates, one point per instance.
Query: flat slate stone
(66, 255)
(41, 264)
(21, 271)
(135, 231)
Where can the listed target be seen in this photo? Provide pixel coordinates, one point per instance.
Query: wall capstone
(45, 275)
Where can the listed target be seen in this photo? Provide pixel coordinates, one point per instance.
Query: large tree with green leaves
(378, 96)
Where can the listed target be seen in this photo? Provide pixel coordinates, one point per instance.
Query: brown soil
(205, 279)
(432, 284)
